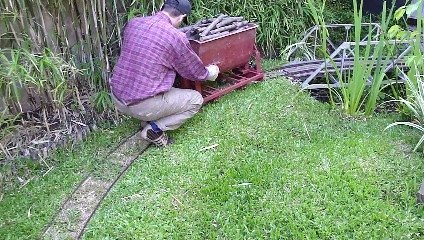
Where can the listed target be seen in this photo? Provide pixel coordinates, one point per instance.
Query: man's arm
(187, 63)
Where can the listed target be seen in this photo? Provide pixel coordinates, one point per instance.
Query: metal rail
(341, 57)
(312, 41)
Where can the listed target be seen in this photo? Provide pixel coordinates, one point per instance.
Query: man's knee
(197, 98)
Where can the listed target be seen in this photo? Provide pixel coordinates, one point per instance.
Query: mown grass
(26, 211)
(287, 167)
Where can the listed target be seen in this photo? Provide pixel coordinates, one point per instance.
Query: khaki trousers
(168, 110)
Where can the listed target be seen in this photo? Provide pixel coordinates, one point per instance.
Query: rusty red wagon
(237, 58)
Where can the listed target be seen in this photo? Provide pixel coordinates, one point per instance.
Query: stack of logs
(215, 27)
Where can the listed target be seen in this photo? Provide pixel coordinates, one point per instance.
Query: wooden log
(241, 24)
(238, 29)
(186, 29)
(209, 20)
(201, 29)
(223, 29)
(237, 24)
(196, 25)
(216, 35)
(212, 25)
(229, 20)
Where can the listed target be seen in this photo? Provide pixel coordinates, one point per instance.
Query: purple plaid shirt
(152, 53)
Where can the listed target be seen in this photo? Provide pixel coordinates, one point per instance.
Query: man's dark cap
(184, 6)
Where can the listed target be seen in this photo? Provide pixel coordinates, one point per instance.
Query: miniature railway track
(341, 58)
(314, 69)
(92, 190)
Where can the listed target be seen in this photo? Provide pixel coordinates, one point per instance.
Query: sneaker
(160, 139)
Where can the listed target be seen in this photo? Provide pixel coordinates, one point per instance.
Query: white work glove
(213, 72)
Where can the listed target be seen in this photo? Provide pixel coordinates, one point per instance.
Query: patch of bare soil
(125, 153)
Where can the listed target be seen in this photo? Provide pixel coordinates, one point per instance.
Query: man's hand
(213, 72)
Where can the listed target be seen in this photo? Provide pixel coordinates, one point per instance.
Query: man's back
(144, 67)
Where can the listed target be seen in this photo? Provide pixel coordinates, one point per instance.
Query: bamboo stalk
(43, 24)
(15, 35)
(76, 22)
(17, 39)
(96, 41)
(37, 32)
(20, 13)
(87, 36)
(104, 41)
(117, 23)
(241, 24)
(124, 5)
(64, 29)
(208, 20)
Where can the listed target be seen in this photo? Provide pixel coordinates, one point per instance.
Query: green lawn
(25, 212)
(286, 167)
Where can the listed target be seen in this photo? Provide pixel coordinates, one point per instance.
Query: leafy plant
(381, 55)
(414, 60)
(46, 72)
(15, 72)
(415, 103)
(56, 73)
(102, 101)
(369, 61)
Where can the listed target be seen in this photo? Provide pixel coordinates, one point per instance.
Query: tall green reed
(369, 61)
(381, 56)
